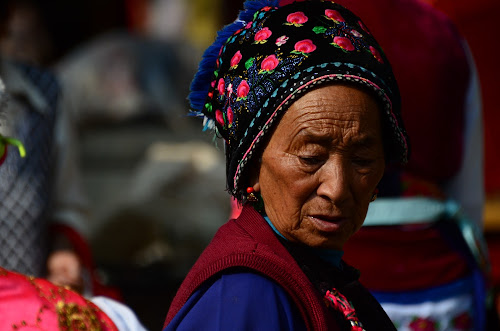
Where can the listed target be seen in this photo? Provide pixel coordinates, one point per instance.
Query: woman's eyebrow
(326, 138)
(367, 141)
(316, 136)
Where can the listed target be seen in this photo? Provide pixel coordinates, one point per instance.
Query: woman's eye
(363, 162)
(311, 160)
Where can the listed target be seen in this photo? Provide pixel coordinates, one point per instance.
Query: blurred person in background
(477, 21)
(35, 303)
(43, 210)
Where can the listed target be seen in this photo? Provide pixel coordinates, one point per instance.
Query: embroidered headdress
(272, 54)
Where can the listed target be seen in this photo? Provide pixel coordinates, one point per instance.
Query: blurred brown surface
(492, 213)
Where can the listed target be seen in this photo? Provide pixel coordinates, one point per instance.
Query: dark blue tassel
(202, 79)
(252, 6)
(255, 5)
(201, 82)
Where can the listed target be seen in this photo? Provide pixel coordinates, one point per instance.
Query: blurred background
(153, 180)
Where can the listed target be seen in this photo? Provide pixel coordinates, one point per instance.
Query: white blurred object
(166, 19)
(118, 76)
(123, 317)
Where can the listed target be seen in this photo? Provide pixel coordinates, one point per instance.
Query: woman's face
(322, 165)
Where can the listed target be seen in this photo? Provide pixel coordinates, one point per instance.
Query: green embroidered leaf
(249, 62)
(297, 25)
(319, 29)
(299, 53)
(336, 45)
(208, 106)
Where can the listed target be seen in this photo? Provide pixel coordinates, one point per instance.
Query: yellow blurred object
(203, 22)
(492, 213)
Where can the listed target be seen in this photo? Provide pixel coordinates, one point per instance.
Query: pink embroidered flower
(221, 86)
(297, 18)
(213, 83)
(262, 35)
(281, 40)
(376, 54)
(243, 89)
(236, 59)
(362, 26)
(356, 34)
(334, 15)
(249, 25)
(219, 117)
(462, 322)
(422, 324)
(305, 46)
(269, 63)
(343, 43)
(230, 115)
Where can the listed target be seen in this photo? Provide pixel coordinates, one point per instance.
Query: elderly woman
(309, 111)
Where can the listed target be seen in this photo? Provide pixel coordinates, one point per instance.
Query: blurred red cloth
(477, 21)
(403, 258)
(36, 304)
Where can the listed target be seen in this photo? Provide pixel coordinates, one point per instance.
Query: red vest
(249, 242)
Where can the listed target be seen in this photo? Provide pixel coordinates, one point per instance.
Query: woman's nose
(334, 181)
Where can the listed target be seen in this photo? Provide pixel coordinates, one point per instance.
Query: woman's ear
(254, 182)
(254, 175)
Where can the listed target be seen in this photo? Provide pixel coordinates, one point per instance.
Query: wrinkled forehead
(332, 113)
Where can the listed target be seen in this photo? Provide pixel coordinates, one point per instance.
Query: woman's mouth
(327, 223)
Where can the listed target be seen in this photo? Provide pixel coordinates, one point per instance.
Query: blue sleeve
(239, 301)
